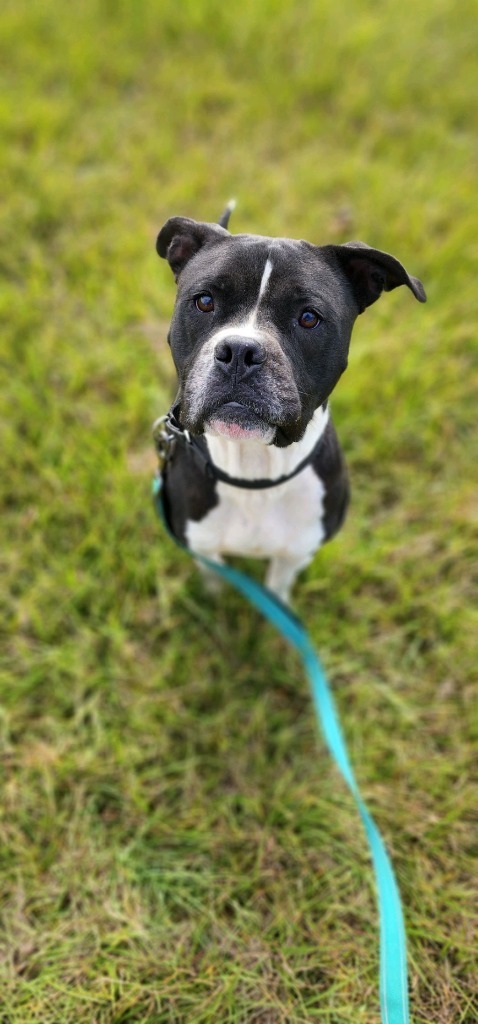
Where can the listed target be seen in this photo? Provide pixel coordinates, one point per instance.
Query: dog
(260, 336)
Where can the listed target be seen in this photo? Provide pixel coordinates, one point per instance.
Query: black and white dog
(260, 336)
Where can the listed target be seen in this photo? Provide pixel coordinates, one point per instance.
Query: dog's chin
(237, 423)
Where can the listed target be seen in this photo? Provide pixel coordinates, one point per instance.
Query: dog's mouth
(239, 423)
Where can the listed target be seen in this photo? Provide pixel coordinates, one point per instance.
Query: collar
(168, 432)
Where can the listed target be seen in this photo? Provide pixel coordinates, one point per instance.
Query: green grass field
(175, 843)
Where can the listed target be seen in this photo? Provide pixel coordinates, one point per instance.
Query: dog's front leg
(282, 573)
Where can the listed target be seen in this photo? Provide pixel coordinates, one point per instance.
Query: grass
(175, 844)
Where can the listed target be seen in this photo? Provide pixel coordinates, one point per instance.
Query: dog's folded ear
(181, 238)
(371, 272)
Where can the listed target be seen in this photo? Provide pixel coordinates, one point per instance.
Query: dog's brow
(299, 290)
(223, 282)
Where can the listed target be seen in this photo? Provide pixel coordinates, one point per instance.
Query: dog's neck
(254, 460)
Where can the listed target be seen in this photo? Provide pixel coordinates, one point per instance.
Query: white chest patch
(285, 521)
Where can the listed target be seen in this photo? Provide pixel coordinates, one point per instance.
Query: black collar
(168, 432)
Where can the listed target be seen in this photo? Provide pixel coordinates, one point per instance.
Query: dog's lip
(238, 422)
(237, 405)
(237, 411)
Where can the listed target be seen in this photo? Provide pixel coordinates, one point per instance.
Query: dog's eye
(204, 302)
(309, 318)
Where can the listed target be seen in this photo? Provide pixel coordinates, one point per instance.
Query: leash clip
(166, 434)
(164, 440)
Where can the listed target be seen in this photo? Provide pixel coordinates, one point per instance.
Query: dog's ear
(181, 238)
(371, 272)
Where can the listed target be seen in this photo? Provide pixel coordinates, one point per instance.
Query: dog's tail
(224, 218)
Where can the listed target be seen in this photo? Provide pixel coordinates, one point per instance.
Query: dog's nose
(238, 356)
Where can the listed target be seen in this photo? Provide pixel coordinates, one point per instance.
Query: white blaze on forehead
(265, 278)
(266, 273)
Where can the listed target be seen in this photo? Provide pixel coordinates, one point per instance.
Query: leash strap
(393, 956)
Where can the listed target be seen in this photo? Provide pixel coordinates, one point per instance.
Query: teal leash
(393, 954)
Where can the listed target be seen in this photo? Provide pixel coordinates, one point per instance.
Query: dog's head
(261, 326)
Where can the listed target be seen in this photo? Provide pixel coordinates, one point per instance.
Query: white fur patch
(265, 279)
(262, 524)
(281, 522)
(256, 460)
